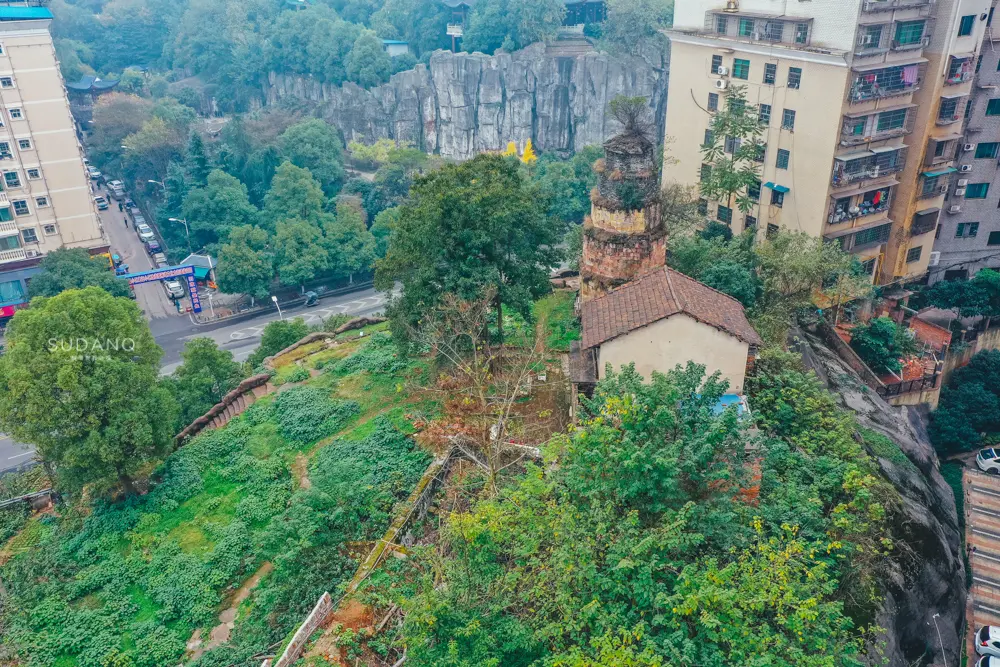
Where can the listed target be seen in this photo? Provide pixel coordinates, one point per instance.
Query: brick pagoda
(624, 236)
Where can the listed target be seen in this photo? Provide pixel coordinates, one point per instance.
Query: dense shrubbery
(883, 344)
(969, 406)
(379, 356)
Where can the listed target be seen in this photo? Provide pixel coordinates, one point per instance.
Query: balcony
(872, 6)
(754, 27)
(887, 124)
(925, 221)
(15, 255)
(860, 209)
(885, 81)
(8, 229)
(960, 70)
(868, 165)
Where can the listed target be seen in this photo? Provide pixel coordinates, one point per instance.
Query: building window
(770, 73)
(11, 179)
(993, 239)
(891, 120)
(5, 153)
(783, 158)
(939, 147)
(987, 150)
(703, 206)
(2, 52)
(801, 33)
(909, 33)
(33, 173)
(741, 69)
(764, 114)
(977, 190)
(965, 26)
(20, 207)
(15, 113)
(29, 236)
(721, 24)
(6, 82)
(913, 254)
(706, 172)
(732, 145)
(949, 109)
(41, 202)
(746, 27)
(759, 153)
(777, 198)
(788, 119)
(878, 234)
(966, 230)
(24, 144)
(871, 37)
(993, 107)
(868, 266)
(716, 64)
(753, 191)
(49, 229)
(772, 230)
(713, 101)
(794, 77)
(749, 222)
(12, 291)
(724, 214)
(709, 139)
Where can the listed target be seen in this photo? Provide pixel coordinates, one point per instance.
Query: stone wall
(462, 104)
(314, 620)
(231, 405)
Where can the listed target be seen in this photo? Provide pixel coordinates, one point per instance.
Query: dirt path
(227, 619)
(301, 469)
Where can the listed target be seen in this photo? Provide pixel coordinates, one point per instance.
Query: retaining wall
(314, 620)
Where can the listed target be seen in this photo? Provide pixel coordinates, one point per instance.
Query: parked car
(144, 232)
(173, 288)
(988, 461)
(153, 246)
(117, 189)
(160, 260)
(138, 219)
(93, 172)
(988, 640)
(102, 203)
(988, 661)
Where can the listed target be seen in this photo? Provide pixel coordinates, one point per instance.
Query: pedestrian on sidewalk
(126, 221)
(120, 207)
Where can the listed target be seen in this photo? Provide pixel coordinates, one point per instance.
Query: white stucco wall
(676, 340)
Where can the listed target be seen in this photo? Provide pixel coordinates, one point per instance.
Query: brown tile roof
(658, 295)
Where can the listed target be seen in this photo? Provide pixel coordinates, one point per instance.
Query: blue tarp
(24, 13)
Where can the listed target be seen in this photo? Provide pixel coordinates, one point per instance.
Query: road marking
(17, 456)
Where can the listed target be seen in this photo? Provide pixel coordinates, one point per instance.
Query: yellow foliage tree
(529, 153)
(511, 150)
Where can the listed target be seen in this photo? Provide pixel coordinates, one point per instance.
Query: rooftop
(656, 296)
(21, 13)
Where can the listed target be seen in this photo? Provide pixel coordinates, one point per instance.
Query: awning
(957, 96)
(200, 273)
(777, 188)
(888, 149)
(939, 172)
(947, 137)
(853, 156)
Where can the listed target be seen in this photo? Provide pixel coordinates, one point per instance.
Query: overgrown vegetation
(969, 407)
(882, 344)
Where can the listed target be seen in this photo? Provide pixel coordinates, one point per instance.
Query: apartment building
(968, 238)
(45, 198)
(860, 102)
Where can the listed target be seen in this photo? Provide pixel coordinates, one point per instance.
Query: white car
(117, 189)
(988, 641)
(173, 288)
(988, 460)
(144, 232)
(988, 661)
(93, 172)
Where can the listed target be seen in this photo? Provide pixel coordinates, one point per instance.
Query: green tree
(382, 228)
(246, 262)
(467, 228)
(969, 406)
(79, 381)
(74, 57)
(349, 244)
(132, 82)
(205, 375)
(74, 268)
(734, 172)
(148, 153)
(196, 163)
(422, 24)
(511, 24)
(632, 25)
(368, 64)
(882, 344)
(567, 183)
(277, 335)
(314, 145)
(733, 279)
(971, 298)
(294, 194)
(299, 252)
(214, 210)
(116, 116)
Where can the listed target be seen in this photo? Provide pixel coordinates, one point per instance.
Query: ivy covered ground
(291, 490)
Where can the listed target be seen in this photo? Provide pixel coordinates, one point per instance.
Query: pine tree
(196, 163)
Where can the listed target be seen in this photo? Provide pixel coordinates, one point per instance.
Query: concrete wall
(663, 345)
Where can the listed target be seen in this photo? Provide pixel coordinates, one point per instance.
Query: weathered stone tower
(624, 236)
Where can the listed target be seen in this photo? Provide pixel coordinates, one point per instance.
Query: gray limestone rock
(466, 103)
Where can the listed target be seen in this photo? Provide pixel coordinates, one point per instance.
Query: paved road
(243, 338)
(13, 454)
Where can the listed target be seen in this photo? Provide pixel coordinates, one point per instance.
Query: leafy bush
(276, 337)
(561, 324)
(300, 374)
(378, 355)
(882, 344)
(306, 414)
(969, 406)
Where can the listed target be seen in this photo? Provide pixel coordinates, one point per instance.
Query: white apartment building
(45, 197)
(861, 103)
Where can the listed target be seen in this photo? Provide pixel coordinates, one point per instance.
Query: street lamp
(275, 300)
(187, 231)
(944, 660)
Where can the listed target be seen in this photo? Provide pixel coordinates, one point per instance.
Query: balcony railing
(748, 28)
(868, 167)
(863, 210)
(853, 134)
(931, 192)
(959, 77)
(948, 119)
(8, 228)
(14, 255)
(924, 223)
(886, 82)
(871, 6)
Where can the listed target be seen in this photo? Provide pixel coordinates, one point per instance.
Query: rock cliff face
(927, 576)
(463, 104)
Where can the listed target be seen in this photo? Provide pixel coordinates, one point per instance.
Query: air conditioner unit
(969, 147)
(960, 192)
(955, 208)
(962, 182)
(32, 253)
(722, 71)
(721, 84)
(965, 168)
(934, 258)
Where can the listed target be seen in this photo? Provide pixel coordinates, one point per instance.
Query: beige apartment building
(861, 103)
(45, 197)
